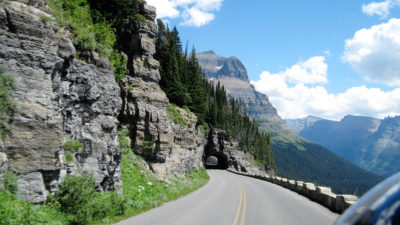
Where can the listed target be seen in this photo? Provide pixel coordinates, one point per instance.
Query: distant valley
(295, 157)
(370, 143)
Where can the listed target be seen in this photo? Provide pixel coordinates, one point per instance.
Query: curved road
(230, 199)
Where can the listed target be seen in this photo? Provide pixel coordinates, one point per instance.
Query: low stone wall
(319, 194)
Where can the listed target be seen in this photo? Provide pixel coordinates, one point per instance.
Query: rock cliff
(168, 148)
(229, 156)
(61, 100)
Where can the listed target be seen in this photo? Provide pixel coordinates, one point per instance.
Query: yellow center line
(242, 205)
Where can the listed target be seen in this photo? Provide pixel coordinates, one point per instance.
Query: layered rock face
(216, 66)
(167, 147)
(58, 98)
(228, 154)
(61, 100)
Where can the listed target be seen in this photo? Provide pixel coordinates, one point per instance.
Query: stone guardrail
(319, 194)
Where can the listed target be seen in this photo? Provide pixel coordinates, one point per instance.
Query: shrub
(10, 182)
(76, 15)
(97, 37)
(69, 158)
(123, 138)
(118, 62)
(147, 145)
(14, 211)
(7, 85)
(140, 17)
(82, 204)
(45, 18)
(72, 145)
(205, 129)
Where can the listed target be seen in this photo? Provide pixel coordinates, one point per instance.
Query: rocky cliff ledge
(62, 100)
(167, 147)
(59, 98)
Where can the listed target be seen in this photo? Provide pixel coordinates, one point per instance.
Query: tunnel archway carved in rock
(215, 148)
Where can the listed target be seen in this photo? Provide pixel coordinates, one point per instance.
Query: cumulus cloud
(381, 9)
(196, 17)
(375, 53)
(192, 12)
(164, 8)
(312, 71)
(298, 100)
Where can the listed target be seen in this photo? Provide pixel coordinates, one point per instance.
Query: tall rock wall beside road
(61, 99)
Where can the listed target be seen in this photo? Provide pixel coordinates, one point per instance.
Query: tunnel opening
(216, 161)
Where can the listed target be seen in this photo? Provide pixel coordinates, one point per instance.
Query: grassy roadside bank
(77, 202)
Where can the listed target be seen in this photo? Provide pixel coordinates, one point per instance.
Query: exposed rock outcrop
(217, 67)
(58, 98)
(228, 154)
(61, 99)
(168, 148)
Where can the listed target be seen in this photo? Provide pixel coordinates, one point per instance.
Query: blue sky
(322, 58)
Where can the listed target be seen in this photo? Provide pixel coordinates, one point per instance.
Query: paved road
(230, 199)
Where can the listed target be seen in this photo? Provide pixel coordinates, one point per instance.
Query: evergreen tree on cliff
(170, 58)
(195, 87)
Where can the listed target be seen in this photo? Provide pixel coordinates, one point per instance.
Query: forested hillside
(373, 144)
(186, 86)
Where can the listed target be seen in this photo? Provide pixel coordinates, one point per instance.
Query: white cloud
(299, 100)
(196, 17)
(375, 53)
(192, 12)
(164, 8)
(381, 9)
(312, 71)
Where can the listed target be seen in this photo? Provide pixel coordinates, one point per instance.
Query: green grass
(10, 182)
(143, 191)
(78, 202)
(14, 211)
(175, 115)
(72, 145)
(76, 16)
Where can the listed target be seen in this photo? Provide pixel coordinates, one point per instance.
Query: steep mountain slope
(370, 143)
(295, 157)
(300, 124)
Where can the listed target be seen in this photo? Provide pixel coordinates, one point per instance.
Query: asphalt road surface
(230, 199)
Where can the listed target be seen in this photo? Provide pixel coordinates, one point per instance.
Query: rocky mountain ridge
(370, 143)
(217, 66)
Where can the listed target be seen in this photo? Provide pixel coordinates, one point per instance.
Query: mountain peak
(215, 66)
(209, 52)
